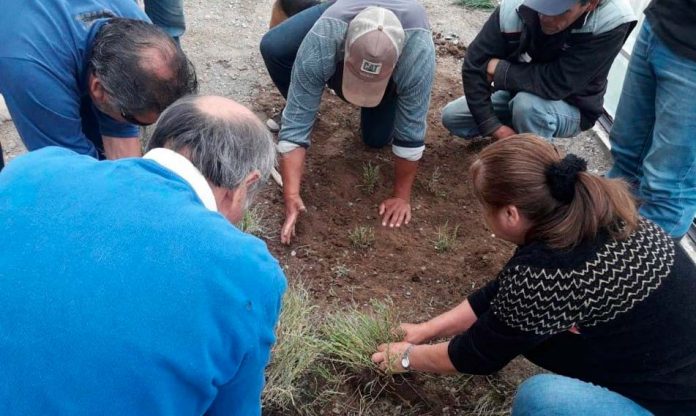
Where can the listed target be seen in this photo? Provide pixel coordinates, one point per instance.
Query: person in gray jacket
(386, 68)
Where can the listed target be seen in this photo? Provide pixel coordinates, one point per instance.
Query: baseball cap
(374, 42)
(550, 7)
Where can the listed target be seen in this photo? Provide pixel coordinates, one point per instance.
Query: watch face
(405, 362)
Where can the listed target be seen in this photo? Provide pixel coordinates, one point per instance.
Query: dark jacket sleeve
(489, 345)
(567, 75)
(489, 43)
(480, 300)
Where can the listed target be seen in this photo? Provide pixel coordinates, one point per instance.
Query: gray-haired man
(167, 310)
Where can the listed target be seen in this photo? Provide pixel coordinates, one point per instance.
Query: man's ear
(251, 178)
(96, 89)
(238, 196)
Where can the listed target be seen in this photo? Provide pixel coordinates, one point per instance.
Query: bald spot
(157, 61)
(224, 108)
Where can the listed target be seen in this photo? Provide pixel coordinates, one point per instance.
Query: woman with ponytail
(593, 293)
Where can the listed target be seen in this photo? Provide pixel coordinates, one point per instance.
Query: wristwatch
(405, 362)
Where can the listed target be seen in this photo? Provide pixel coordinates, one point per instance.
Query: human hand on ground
(415, 333)
(388, 357)
(293, 207)
(395, 211)
(503, 132)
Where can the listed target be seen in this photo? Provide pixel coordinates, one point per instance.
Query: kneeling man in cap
(377, 55)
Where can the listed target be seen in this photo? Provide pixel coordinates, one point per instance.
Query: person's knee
(454, 112)
(270, 49)
(448, 117)
(528, 113)
(536, 395)
(525, 105)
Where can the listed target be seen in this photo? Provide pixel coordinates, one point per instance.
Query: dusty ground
(222, 40)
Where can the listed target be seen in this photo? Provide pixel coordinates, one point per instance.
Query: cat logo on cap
(371, 67)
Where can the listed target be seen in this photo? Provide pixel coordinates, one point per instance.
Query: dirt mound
(449, 45)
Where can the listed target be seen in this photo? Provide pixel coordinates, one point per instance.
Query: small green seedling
(446, 238)
(252, 222)
(433, 184)
(370, 177)
(340, 270)
(362, 237)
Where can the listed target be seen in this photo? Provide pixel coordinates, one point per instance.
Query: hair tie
(562, 175)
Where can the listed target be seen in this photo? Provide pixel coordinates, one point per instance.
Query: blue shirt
(121, 294)
(323, 48)
(44, 52)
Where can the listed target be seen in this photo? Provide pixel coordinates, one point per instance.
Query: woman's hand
(416, 333)
(388, 357)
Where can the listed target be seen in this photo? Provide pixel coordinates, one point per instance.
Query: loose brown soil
(402, 264)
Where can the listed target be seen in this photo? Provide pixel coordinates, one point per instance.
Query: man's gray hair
(224, 149)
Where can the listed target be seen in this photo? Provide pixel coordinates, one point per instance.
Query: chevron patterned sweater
(633, 303)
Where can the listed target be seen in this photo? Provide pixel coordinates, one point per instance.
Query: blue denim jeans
(524, 112)
(279, 48)
(553, 395)
(167, 14)
(653, 139)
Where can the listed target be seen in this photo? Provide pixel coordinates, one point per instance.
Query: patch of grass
(252, 222)
(433, 184)
(477, 4)
(497, 401)
(370, 177)
(340, 270)
(350, 337)
(362, 237)
(446, 238)
(294, 355)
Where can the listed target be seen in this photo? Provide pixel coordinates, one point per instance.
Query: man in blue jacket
(83, 74)
(124, 287)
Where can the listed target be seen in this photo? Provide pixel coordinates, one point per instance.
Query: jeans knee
(273, 48)
(267, 46)
(525, 105)
(448, 117)
(453, 113)
(536, 394)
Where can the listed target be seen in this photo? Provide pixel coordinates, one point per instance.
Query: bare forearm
(404, 175)
(452, 322)
(291, 168)
(118, 148)
(431, 359)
